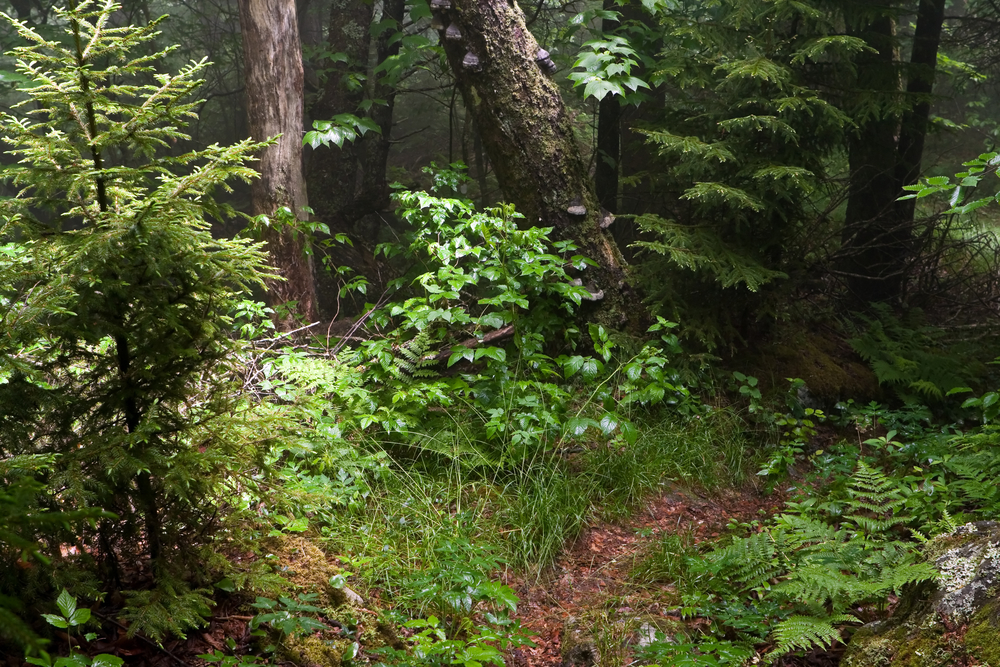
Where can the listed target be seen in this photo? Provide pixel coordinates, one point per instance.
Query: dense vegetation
(808, 310)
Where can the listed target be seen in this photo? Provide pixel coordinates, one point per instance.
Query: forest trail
(592, 581)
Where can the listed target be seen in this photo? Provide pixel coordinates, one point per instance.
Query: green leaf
(106, 660)
(577, 426)
(79, 617)
(572, 365)
(299, 525)
(66, 603)
(226, 585)
(57, 621)
(492, 320)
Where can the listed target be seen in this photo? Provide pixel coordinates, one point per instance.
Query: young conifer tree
(116, 302)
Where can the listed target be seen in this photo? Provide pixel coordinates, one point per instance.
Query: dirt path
(592, 579)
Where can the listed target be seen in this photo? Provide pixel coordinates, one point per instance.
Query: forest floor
(591, 586)
(592, 583)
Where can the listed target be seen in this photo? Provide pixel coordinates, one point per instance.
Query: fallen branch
(472, 343)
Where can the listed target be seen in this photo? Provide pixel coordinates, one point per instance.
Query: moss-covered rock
(953, 621)
(578, 646)
(831, 370)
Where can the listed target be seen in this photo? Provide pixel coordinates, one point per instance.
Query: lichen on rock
(953, 621)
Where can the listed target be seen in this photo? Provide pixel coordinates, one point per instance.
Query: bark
(919, 85)
(874, 244)
(374, 185)
(878, 238)
(609, 134)
(334, 178)
(528, 137)
(274, 87)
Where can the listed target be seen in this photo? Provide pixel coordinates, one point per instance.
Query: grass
(529, 512)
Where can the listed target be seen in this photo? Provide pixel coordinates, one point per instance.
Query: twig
(475, 342)
(286, 334)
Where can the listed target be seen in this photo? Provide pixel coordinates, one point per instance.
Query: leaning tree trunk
(274, 80)
(528, 136)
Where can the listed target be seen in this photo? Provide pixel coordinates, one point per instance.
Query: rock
(953, 621)
(353, 597)
(578, 646)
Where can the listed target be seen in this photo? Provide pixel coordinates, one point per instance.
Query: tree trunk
(528, 137)
(874, 243)
(374, 186)
(333, 171)
(609, 134)
(919, 85)
(878, 238)
(274, 81)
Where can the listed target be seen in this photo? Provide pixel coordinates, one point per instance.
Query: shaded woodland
(331, 330)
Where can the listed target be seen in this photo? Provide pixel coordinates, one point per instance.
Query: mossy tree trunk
(528, 136)
(274, 83)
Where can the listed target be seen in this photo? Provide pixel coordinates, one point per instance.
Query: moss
(309, 650)
(308, 568)
(982, 638)
(869, 649)
(830, 368)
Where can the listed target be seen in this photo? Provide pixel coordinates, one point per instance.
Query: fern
(749, 562)
(872, 492)
(411, 361)
(820, 566)
(806, 632)
(910, 357)
(170, 609)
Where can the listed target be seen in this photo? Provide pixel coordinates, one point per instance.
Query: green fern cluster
(817, 565)
(412, 362)
(911, 357)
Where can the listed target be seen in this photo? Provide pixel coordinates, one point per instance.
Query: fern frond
(750, 562)
(874, 498)
(801, 633)
(171, 608)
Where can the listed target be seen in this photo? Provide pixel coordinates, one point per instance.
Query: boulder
(951, 622)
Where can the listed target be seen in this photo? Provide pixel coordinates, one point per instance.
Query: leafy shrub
(475, 625)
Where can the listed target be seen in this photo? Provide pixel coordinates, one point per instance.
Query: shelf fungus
(453, 33)
(440, 5)
(544, 61)
(471, 62)
(576, 208)
(607, 217)
(437, 23)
